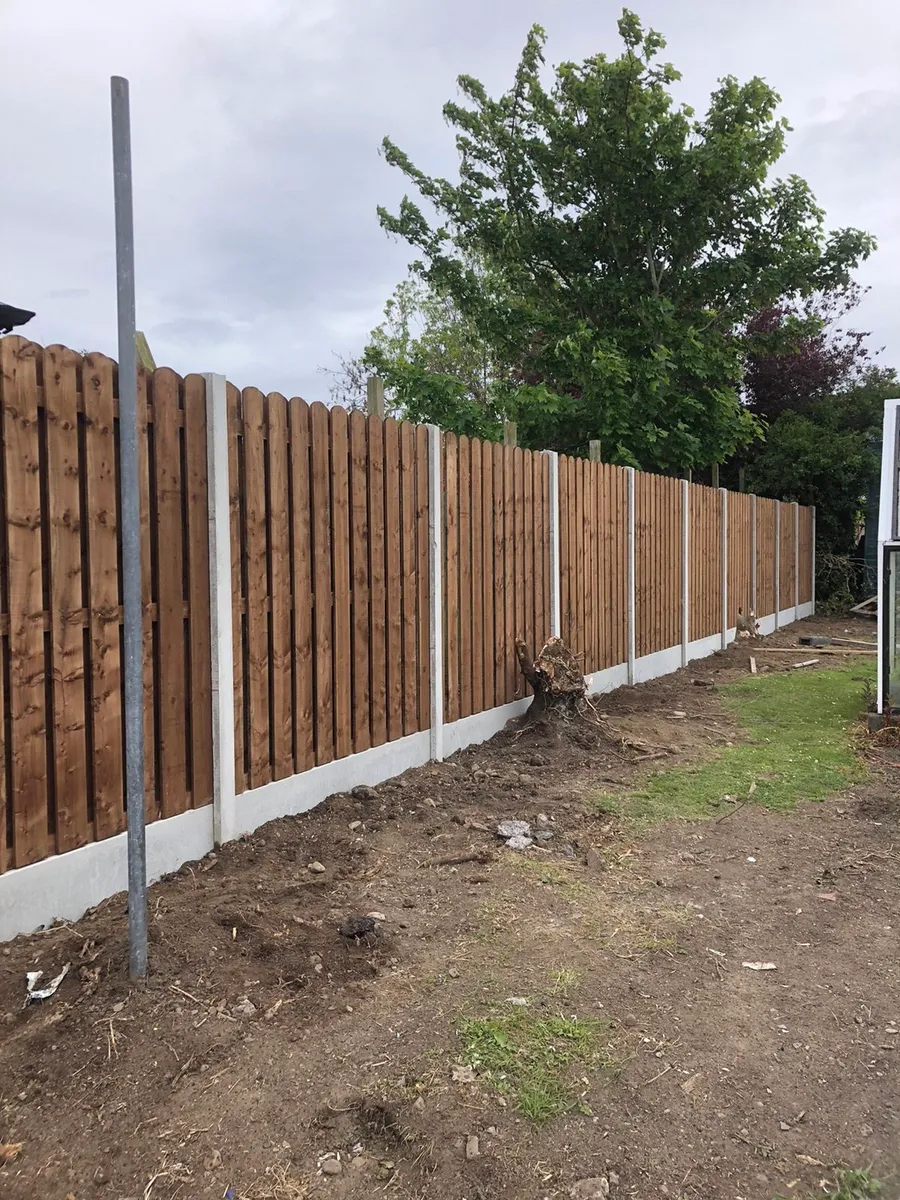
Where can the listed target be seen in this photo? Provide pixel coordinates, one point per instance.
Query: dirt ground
(266, 1042)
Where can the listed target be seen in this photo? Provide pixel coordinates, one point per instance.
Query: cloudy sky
(256, 129)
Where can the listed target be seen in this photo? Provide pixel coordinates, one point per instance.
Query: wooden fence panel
(786, 555)
(705, 546)
(657, 563)
(765, 556)
(739, 515)
(806, 555)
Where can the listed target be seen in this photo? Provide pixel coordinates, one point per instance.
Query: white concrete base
(65, 886)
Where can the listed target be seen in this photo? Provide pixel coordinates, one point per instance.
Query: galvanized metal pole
(130, 523)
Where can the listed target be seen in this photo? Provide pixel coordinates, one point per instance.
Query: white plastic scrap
(34, 993)
(760, 966)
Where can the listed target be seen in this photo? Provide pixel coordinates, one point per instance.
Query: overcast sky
(256, 129)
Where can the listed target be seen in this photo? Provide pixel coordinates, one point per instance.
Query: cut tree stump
(555, 677)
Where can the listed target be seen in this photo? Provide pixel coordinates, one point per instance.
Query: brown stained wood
(498, 575)
(408, 563)
(538, 631)
(73, 824)
(508, 647)
(103, 596)
(476, 580)
(571, 501)
(281, 697)
(786, 582)
(578, 645)
(238, 549)
(488, 576)
(199, 694)
(564, 560)
(378, 630)
(322, 653)
(27, 748)
(392, 580)
(359, 553)
(422, 574)
(301, 566)
(340, 525)
(522, 574)
(148, 605)
(545, 484)
(256, 541)
(532, 578)
(451, 578)
(465, 577)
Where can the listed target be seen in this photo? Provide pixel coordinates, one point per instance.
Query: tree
(799, 354)
(828, 456)
(625, 245)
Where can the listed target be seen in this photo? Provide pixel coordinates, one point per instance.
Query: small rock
(519, 1001)
(473, 1149)
(332, 1166)
(367, 795)
(100, 1177)
(377, 916)
(519, 842)
(613, 1179)
(595, 860)
(511, 829)
(357, 927)
(462, 1074)
(244, 1007)
(354, 825)
(544, 835)
(419, 1104)
(316, 868)
(590, 1189)
(702, 682)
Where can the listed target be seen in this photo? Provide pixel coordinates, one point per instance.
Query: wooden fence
(330, 528)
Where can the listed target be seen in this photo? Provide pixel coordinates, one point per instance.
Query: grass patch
(528, 1057)
(797, 746)
(851, 1185)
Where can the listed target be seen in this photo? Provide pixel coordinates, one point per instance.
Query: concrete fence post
(685, 569)
(777, 562)
(555, 588)
(436, 591)
(220, 601)
(724, 494)
(632, 620)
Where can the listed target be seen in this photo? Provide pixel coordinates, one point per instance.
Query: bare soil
(265, 1040)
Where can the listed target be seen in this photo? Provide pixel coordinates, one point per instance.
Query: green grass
(528, 1056)
(796, 744)
(851, 1185)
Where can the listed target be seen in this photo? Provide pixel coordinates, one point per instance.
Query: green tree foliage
(607, 246)
(828, 455)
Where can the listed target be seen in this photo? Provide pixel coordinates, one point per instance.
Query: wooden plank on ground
(197, 557)
(27, 748)
(408, 563)
(393, 583)
(340, 524)
(422, 575)
(238, 574)
(451, 577)
(101, 500)
(359, 554)
(257, 551)
(301, 566)
(377, 610)
(320, 477)
(73, 823)
(279, 555)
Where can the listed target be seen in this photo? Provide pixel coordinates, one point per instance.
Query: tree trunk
(555, 677)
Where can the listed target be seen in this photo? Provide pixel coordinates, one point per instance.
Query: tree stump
(555, 677)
